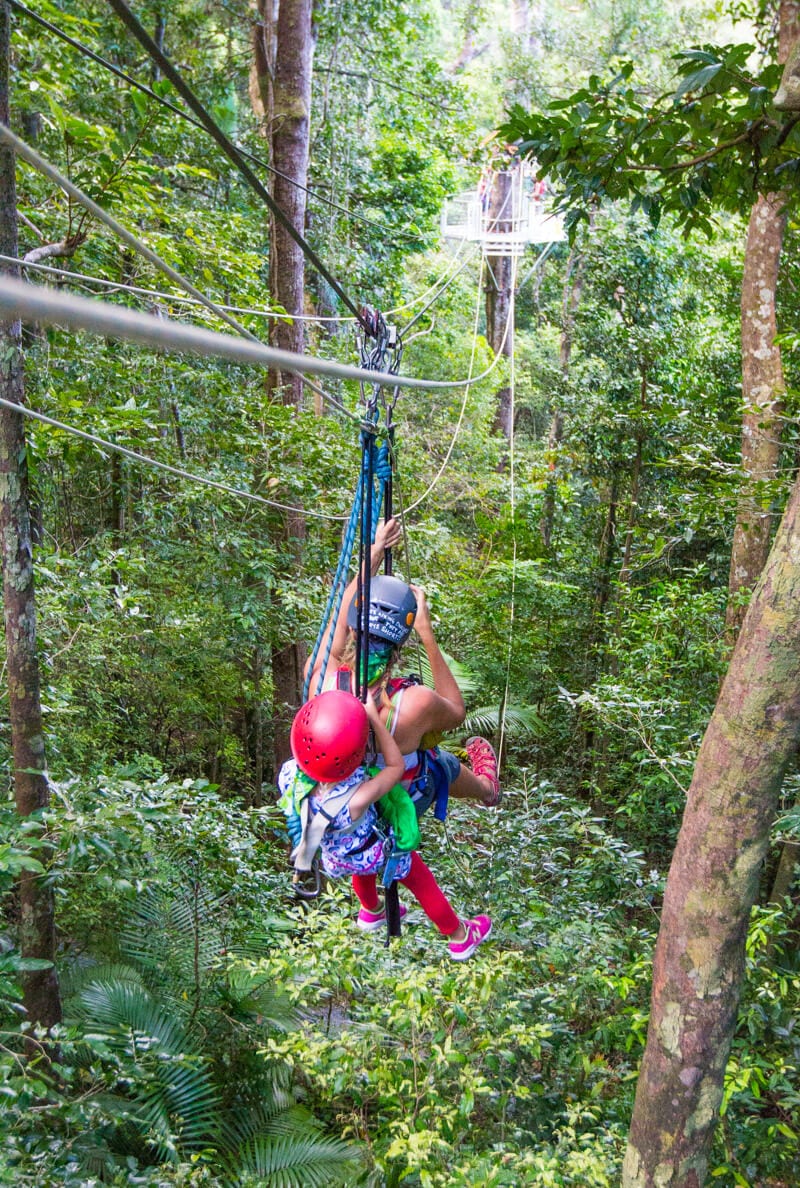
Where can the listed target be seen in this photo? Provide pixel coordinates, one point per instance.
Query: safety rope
(26, 153)
(467, 383)
(334, 604)
(227, 146)
(38, 304)
(513, 504)
(112, 446)
(68, 274)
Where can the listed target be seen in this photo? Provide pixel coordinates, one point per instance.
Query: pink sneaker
(483, 761)
(478, 929)
(372, 921)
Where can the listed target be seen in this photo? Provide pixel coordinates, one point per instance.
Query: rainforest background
(212, 1030)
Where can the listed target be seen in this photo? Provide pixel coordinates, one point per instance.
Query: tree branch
(679, 165)
(67, 247)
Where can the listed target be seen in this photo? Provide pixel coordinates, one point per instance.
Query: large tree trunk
(284, 47)
(762, 391)
(762, 373)
(699, 959)
(37, 927)
(499, 217)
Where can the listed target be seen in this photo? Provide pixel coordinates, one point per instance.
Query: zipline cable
(37, 303)
(145, 90)
(26, 153)
(145, 460)
(30, 155)
(227, 146)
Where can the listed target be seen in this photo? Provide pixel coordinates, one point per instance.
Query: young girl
(338, 797)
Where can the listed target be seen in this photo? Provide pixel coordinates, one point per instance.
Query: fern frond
(298, 1163)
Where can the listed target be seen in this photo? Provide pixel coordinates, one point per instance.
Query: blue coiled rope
(381, 467)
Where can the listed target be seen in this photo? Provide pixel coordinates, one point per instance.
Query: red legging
(423, 887)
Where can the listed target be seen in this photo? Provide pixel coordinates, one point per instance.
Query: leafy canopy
(715, 141)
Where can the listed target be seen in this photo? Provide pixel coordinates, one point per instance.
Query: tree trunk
(762, 373)
(499, 217)
(762, 390)
(785, 874)
(636, 478)
(287, 683)
(37, 927)
(713, 880)
(573, 287)
(284, 47)
(258, 729)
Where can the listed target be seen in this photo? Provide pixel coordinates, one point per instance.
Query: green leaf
(698, 80)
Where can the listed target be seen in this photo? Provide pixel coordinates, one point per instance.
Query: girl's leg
(431, 898)
(468, 786)
(366, 889)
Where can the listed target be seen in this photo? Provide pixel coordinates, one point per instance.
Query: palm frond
(174, 1099)
(127, 1009)
(298, 1163)
(73, 978)
(519, 720)
(181, 1104)
(274, 1115)
(248, 993)
(163, 927)
(467, 681)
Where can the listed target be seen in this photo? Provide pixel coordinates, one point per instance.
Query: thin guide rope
(467, 383)
(145, 460)
(513, 501)
(28, 154)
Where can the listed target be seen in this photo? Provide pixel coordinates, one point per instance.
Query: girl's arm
(378, 785)
(387, 536)
(444, 683)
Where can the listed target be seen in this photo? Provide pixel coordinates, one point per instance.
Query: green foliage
(448, 1069)
(161, 605)
(714, 141)
(167, 889)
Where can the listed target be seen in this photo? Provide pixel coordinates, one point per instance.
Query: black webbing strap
(391, 897)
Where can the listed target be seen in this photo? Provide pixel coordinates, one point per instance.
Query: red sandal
(483, 761)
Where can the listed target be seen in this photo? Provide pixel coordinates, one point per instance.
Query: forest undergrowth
(216, 1031)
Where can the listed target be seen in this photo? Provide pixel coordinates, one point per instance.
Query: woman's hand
(388, 534)
(422, 623)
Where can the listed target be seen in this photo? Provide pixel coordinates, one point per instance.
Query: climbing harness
(380, 350)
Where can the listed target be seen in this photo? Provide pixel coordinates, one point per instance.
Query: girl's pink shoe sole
(372, 921)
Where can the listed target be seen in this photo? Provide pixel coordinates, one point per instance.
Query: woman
(415, 715)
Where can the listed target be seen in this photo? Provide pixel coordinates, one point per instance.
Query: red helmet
(329, 736)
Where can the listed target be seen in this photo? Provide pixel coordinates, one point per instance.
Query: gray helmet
(392, 610)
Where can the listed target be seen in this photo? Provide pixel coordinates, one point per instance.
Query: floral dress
(361, 848)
